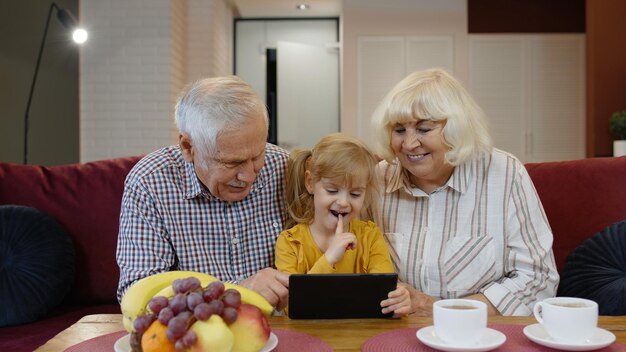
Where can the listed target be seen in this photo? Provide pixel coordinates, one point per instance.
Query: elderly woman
(462, 218)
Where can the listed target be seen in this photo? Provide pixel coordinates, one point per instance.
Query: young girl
(328, 188)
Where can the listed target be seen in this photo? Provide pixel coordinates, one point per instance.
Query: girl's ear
(308, 182)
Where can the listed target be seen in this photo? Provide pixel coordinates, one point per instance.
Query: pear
(251, 329)
(213, 335)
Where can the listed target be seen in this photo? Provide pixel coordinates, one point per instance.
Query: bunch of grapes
(190, 303)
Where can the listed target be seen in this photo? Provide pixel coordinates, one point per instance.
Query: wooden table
(341, 335)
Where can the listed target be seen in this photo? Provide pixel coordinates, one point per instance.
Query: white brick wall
(222, 29)
(179, 55)
(140, 54)
(209, 39)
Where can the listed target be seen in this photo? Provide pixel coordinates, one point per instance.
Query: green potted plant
(617, 127)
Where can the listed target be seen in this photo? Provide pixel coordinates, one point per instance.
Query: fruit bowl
(194, 313)
(123, 344)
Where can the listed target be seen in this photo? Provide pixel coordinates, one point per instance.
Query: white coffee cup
(460, 322)
(567, 319)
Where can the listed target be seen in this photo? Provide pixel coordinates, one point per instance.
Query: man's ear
(308, 182)
(186, 147)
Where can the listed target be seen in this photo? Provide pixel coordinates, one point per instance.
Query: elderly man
(214, 202)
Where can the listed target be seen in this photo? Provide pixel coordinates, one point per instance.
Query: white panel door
(428, 52)
(533, 91)
(558, 97)
(497, 82)
(308, 93)
(384, 61)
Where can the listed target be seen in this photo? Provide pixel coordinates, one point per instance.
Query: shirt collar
(397, 177)
(297, 233)
(300, 232)
(193, 186)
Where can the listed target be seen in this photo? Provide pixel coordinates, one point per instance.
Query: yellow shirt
(297, 252)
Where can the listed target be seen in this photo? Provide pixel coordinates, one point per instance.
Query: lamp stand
(32, 85)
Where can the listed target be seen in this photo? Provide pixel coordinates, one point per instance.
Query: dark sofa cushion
(580, 197)
(596, 270)
(36, 264)
(85, 199)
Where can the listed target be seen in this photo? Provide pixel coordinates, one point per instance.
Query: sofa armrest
(85, 199)
(580, 197)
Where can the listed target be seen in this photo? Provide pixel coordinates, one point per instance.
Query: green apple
(213, 335)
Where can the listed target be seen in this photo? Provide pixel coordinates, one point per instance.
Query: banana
(139, 294)
(252, 297)
(247, 295)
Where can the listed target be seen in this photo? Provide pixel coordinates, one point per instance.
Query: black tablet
(334, 296)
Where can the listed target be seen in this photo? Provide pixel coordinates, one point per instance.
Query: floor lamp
(79, 35)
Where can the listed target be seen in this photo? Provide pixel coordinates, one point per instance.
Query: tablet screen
(334, 296)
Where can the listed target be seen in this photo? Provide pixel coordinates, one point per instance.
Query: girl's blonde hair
(339, 157)
(437, 96)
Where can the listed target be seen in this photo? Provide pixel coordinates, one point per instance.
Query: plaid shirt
(170, 221)
(484, 231)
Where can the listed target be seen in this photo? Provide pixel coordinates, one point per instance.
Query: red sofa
(85, 200)
(580, 197)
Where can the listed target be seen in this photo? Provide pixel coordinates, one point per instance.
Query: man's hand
(271, 284)
(340, 242)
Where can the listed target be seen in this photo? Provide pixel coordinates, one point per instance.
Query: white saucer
(123, 344)
(600, 338)
(490, 340)
(271, 343)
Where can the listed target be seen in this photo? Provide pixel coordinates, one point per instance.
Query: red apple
(251, 330)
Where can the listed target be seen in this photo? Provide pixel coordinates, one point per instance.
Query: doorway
(294, 65)
(271, 95)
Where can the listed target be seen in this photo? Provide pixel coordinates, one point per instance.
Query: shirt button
(235, 240)
(275, 224)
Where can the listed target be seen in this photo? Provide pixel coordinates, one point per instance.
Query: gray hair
(437, 96)
(210, 106)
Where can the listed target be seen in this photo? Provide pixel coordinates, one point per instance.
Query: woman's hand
(340, 242)
(398, 302)
(421, 303)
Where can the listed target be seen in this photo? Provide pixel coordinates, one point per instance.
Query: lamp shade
(67, 19)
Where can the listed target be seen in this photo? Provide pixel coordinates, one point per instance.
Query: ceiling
(287, 8)
(334, 8)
